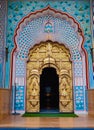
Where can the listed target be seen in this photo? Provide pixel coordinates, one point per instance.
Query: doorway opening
(49, 90)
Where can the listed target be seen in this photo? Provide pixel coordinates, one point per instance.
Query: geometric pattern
(78, 69)
(20, 68)
(80, 10)
(58, 29)
(63, 33)
(79, 95)
(37, 27)
(17, 10)
(19, 98)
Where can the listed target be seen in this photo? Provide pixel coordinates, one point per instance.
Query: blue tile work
(30, 32)
(48, 27)
(79, 95)
(86, 98)
(80, 10)
(19, 98)
(20, 68)
(78, 67)
(35, 30)
(2, 40)
(7, 77)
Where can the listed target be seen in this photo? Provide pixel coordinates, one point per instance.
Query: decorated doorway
(49, 56)
(30, 56)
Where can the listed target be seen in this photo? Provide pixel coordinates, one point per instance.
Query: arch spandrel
(49, 54)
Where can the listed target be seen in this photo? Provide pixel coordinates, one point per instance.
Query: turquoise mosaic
(48, 28)
(19, 98)
(20, 68)
(78, 69)
(80, 10)
(63, 32)
(79, 95)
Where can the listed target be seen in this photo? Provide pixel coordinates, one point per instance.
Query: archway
(42, 56)
(49, 90)
(41, 25)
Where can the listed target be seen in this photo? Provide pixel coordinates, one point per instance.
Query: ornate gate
(49, 54)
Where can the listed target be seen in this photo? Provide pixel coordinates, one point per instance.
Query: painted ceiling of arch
(18, 9)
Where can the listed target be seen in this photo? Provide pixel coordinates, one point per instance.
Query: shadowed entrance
(49, 90)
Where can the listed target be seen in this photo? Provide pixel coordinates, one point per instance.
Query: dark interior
(49, 90)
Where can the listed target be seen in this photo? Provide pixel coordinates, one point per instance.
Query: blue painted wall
(2, 41)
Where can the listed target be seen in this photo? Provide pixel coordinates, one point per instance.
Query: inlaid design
(49, 54)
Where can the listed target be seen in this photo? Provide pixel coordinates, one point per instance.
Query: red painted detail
(86, 61)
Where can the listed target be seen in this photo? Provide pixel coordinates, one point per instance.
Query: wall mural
(18, 9)
(49, 27)
(49, 24)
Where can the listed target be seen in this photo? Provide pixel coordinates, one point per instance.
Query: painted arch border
(69, 18)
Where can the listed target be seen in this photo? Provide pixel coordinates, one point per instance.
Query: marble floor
(36, 122)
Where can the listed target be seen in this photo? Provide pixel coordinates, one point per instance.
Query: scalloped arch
(58, 14)
(43, 12)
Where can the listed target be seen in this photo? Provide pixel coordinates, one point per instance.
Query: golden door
(41, 56)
